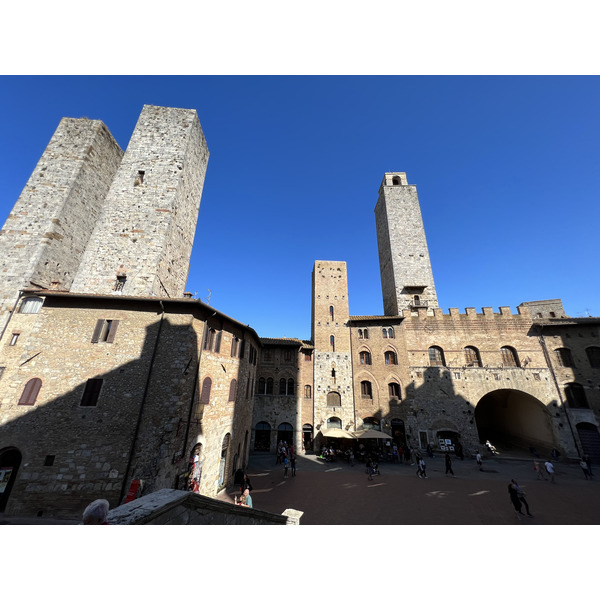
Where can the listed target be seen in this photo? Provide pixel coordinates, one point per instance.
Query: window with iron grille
(472, 357)
(576, 397)
(564, 357)
(509, 357)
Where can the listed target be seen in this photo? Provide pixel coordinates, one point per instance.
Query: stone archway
(10, 461)
(513, 419)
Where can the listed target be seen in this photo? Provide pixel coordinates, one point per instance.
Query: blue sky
(506, 167)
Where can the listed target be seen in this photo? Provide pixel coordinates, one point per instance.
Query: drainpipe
(554, 378)
(144, 397)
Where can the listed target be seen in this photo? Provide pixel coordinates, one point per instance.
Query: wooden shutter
(232, 390)
(206, 385)
(218, 342)
(242, 348)
(97, 331)
(113, 331)
(30, 392)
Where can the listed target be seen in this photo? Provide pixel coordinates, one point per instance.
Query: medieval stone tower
(406, 275)
(94, 220)
(46, 233)
(333, 389)
(142, 243)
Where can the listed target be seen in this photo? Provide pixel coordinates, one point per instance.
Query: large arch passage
(512, 419)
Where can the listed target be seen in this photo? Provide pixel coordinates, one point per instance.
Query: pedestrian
(96, 513)
(584, 467)
(245, 485)
(521, 496)
(479, 460)
(245, 499)
(586, 457)
(286, 466)
(540, 472)
(421, 468)
(293, 464)
(448, 464)
(279, 451)
(351, 458)
(514, 498)
(370, 469)
(550, 470)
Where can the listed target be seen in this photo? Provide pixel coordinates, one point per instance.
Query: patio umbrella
(371, 434)
(337, 433)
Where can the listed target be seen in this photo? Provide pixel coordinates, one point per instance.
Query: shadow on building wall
(143, 426)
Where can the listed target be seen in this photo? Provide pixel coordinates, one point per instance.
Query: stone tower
(406, 276)
(142, 243)
(45, 235)
(333, 393)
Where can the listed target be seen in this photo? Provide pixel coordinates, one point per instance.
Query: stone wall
(173, 507)
(46, 233)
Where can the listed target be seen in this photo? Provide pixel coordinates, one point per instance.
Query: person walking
(448, 464)
(479, 460)
(538, 468)
(584, 467)
(550, 470)
(293, 465)
(514, 498)
(421, 468)
(351, 457)
(521, 496)
(286, 466)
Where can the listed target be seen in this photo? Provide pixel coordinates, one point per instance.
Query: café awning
(371, 434)
(334, 432)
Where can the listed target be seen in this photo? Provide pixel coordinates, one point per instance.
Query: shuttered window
(30, 392)
(91, 392)
(105, 331)
(232, 390)
(205, 396)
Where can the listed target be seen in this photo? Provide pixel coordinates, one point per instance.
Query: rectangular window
(2, 371)
(91, 392)
(49, 460)
(105, 331)
(14, 338)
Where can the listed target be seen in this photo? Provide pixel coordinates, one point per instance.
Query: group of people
(286, 455)
(245, 498)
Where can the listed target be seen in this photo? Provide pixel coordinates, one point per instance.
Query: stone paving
(339, 494)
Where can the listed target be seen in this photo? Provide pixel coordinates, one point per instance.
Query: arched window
(30, 392)
(232, 390)
(396, 181)
(205, 396)
(285, 433)
(261, 387)
(472, 358)
(576, 396)
(366, 390)
(334, 399)
(331, 312)
(307, 391)
(282, 387)
(593, 354)
(390, 333)
(366, 334)
(564, 357)
(509, 357)
(365, 358)
(332, 343)
(371, 423)
(31, 306)
(394, 391)
(290, 387)
(436, 357)
(334, 423)
(269, 385)
(417, 300)
(390, 358)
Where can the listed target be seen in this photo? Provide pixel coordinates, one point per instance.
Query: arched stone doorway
(590, 440)
(262, 437)
(513, 419)
(10, 461)
(285, 433)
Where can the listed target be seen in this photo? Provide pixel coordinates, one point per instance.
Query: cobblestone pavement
(339, 494)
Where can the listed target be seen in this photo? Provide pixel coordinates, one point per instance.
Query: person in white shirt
(550, 470)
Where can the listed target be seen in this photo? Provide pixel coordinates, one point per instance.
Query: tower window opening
(140, 177)
(120, 283)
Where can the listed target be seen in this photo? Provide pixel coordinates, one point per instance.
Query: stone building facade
(424, 375)
(114, 382)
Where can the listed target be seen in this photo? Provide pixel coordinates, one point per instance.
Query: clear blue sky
(507, 170)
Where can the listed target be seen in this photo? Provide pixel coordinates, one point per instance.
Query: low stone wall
(176, 507)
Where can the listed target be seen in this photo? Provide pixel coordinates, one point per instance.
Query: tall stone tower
(142, 243)
(406, 276)
(333, 394)
(45, 235)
